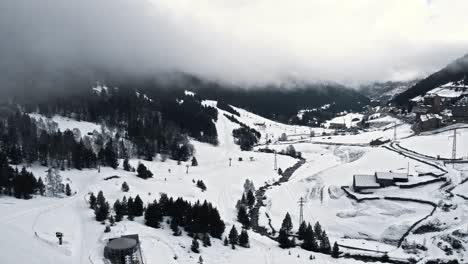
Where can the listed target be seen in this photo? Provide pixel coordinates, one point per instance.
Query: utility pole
(275, 166)
(454, 145)
(301, 210)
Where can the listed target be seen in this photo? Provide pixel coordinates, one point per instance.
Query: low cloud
(47, 43)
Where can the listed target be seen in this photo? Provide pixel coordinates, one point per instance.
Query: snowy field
(28, 227)
(440, 143)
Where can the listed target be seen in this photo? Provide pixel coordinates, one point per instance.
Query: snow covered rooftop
(365, 180)
(429, 117)
(391, 175)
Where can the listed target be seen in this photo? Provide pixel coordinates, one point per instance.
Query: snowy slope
(28, 227)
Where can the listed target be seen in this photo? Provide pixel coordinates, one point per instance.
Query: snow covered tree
(302, 230)
(125, 187)
(92, 201)
(249, 186)
(67, 190)
(206, 240)
(250, 199)
(54, 182)
(195, 245)
(243, 217)
(244, 239)
(287, 224)
(233, 237)
(335, 251)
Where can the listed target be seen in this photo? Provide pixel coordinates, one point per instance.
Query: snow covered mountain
(422, 219)
(456, 72)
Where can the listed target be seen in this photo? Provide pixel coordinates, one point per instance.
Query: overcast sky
(246, 41)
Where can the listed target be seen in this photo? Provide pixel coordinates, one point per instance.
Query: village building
(460, 110)
(427, 122)
(362, 182)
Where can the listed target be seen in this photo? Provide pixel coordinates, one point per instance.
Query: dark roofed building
(384, 178)
(123, 250)
(364, 181)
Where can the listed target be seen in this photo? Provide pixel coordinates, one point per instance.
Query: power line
(301, 203)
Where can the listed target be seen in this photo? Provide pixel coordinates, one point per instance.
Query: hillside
(456, 71)
(279, 102)
(386, 91)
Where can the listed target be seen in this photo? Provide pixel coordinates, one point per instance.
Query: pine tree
(233, 237)
(153, 215)
(226, 241)
(125, 187)
(206, 240)
(325, 243)
(101, 209)
(335, 251)
(287, 224)
(67, 190)
(40, 186)
(126, 165)
(143, 172)
(250, 198)
(138, 206)
(130, 213)
(310, 242)
(92, 201)
(318, 230)
(283, 239)
(175, 227)
(244, 239)
(195, 245)
(194, 162)
(118, 211)
(243, 217)
(302, 230)
(201, 185)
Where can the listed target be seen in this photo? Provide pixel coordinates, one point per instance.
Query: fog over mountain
(45, 44)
